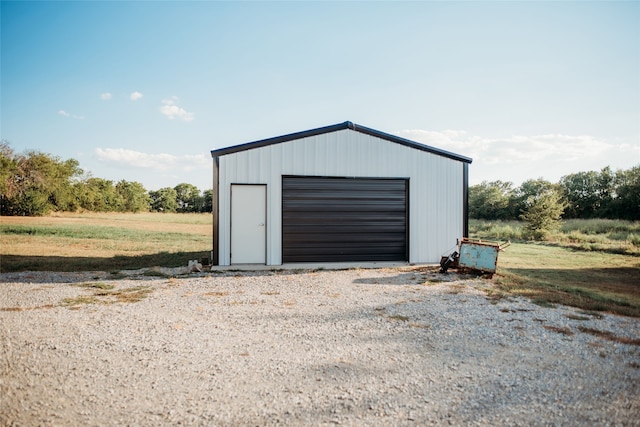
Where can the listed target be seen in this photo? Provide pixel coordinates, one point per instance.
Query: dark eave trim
(465, 200)
(334, 128)
(215, 252)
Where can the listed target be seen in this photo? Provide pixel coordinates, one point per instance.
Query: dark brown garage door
(344, 219)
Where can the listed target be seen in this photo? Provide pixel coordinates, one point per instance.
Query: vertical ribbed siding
(435, 185)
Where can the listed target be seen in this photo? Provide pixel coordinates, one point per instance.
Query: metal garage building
(340, 193)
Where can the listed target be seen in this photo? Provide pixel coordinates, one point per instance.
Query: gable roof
(333, 128)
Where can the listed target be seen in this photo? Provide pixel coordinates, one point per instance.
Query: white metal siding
(435, 185)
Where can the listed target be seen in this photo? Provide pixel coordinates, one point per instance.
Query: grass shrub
(593, 235)
(605, 235)
(600, 226)
(496, 230)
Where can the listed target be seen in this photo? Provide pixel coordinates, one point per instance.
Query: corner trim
(465, 200)
(215, 252)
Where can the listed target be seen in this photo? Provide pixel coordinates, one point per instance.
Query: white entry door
(248, 224)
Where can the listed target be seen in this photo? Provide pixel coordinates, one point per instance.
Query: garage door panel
(344, 219)
(346, 237)
(350, 247)
(332, 257)
(328, 230)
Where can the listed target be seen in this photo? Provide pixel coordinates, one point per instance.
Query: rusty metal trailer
(480, 255)
(474, 254)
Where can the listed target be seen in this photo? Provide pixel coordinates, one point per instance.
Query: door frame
(231, 219)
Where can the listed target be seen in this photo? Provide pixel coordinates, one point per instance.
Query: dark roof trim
(334, 128)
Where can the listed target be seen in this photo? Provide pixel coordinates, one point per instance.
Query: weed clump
(107, 294)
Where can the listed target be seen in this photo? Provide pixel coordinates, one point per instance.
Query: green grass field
(81, 242)
(592, 264)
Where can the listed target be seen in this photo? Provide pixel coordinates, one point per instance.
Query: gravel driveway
(379, 347)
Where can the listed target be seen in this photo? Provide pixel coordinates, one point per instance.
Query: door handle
(261, 224)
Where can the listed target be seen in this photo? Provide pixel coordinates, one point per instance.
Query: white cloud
(518, 158)
(135, 96)
(106, 96)
(173, 111)
(159, 161)
(72, 116)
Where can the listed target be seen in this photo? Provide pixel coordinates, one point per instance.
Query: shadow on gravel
(377, 367)
(15, 263)
(415, 278)
(623, 280)
(401, 279)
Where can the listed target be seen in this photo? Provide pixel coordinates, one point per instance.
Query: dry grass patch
(398, 317)
(95, 285)
(107, 294)
(609, 336)
(39, 307)
(217, 294)
(130, 295)
(561, 330)
(86, 299)
(577, 317)
(455, 289)
(418, 325)
(593, 314)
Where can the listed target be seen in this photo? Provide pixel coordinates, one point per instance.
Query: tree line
(35, 183)
(594, 194)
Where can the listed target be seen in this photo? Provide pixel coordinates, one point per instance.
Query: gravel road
(376, 347)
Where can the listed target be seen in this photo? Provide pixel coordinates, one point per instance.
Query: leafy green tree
(164, 200)
(207, 197)
(99, 195)
(627, 203)
(490, 200)
(30, 202)
(542, 213)
(135, 197)
(606, 191)
(589, 194)
(8, 168)
(528, 191)
(188, 198)
(35, 183)
(64, 174)
(581, 191)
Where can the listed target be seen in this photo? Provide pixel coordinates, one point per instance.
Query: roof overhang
(333, 128)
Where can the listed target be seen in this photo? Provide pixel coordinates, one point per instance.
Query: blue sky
(144, 90)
